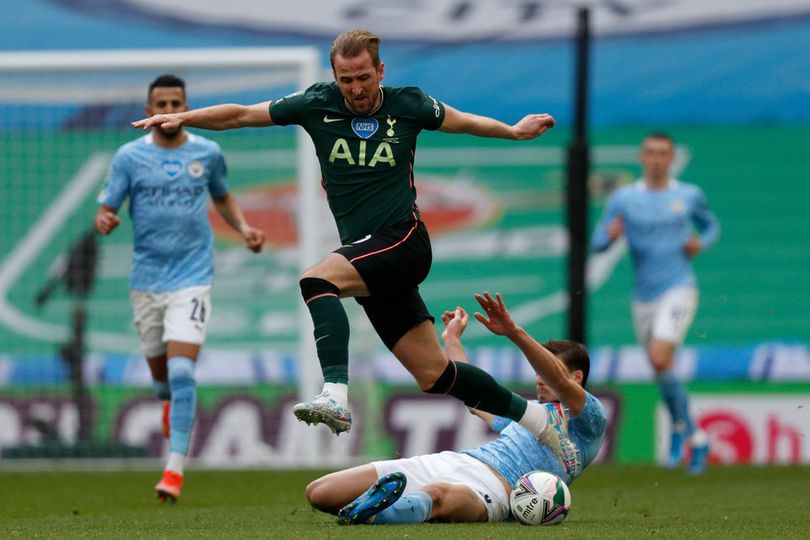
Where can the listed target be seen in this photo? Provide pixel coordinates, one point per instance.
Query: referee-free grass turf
(608, 502)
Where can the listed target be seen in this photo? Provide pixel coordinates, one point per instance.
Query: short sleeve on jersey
(289, 109)
(500, 423)
(218, 182)
(592, 420)
(427, 110)
(116, 183)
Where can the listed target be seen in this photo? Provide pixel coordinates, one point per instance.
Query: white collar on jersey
(377, 108)
(642, 185)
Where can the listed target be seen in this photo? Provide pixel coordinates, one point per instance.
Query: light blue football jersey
(657, 225)
(168, 192)
(517, 452)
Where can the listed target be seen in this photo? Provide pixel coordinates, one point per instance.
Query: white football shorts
(181, 315)
(667, 318)
(452, 468)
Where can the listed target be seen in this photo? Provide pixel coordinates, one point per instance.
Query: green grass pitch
(608, 502)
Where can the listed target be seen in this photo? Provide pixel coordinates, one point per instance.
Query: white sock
(176, 462)
(337, 391)
(535, 419)
(698, 438)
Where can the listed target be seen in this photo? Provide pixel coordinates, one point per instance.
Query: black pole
(78, 275)
(577, 189)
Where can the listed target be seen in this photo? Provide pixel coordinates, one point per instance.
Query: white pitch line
(35, 240)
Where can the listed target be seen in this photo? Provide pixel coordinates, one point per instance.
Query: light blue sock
(674, 394)
(412, 508)
(184, 402)
(161, 389)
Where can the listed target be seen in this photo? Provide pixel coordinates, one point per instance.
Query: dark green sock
(477, 389)
(331, 337)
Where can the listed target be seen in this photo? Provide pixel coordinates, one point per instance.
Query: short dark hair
(352, 43)
(573, 354)
(166, 81)
(661, 135)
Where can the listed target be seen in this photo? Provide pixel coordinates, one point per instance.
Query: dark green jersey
(366, 163)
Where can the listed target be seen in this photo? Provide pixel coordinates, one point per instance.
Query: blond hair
(352, 43)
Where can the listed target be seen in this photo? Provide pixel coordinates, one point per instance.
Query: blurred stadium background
(729, 80)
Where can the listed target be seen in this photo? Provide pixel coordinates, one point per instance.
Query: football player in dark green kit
(365, 138)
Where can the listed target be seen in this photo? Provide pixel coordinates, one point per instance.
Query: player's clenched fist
(106, 221)
(254, 238)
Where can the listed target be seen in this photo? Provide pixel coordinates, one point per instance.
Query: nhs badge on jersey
(171, 167)
(365, 127)
(196, 168)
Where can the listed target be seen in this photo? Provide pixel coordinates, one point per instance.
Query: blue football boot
(385, 492)
(676, 444)
(698, 460)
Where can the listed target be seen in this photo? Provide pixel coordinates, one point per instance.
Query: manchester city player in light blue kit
(667, 223)
(474, 485)
(167, 176)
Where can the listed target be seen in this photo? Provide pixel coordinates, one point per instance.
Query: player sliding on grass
(365, 138)
(474, 485)
(167, 176)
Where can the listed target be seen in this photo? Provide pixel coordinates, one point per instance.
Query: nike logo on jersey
(362, 239)
(328, 120)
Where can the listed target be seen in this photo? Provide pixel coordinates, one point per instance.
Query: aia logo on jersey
(365, 127)
(171, 167)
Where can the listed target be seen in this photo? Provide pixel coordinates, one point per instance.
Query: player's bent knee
(319, 493)
(440, 384)
(313, 287)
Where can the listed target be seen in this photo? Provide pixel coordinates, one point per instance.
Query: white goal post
(294, 66)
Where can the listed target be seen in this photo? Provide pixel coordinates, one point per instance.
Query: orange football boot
(168, 489)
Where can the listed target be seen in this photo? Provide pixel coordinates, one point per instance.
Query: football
(540, 498)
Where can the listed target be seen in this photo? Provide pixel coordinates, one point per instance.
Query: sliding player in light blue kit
(474, 485)
(167, 176)
(658, 215)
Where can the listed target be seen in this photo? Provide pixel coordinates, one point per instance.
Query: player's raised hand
(454, 323)
(254, 238)
(169, 122)
(498, 320)
(106, 221)
(532, 126)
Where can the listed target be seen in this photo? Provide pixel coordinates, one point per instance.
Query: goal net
(73, 382)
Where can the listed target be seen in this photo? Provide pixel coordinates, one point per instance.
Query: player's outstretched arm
(553, 371)
(217, 117)
(232, 214)
(106, 219)
(455, 322)
(530, 127)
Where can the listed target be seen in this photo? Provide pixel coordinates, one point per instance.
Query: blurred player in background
(474, 485)
(659, 214)
(365, 138)
(167, 176)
